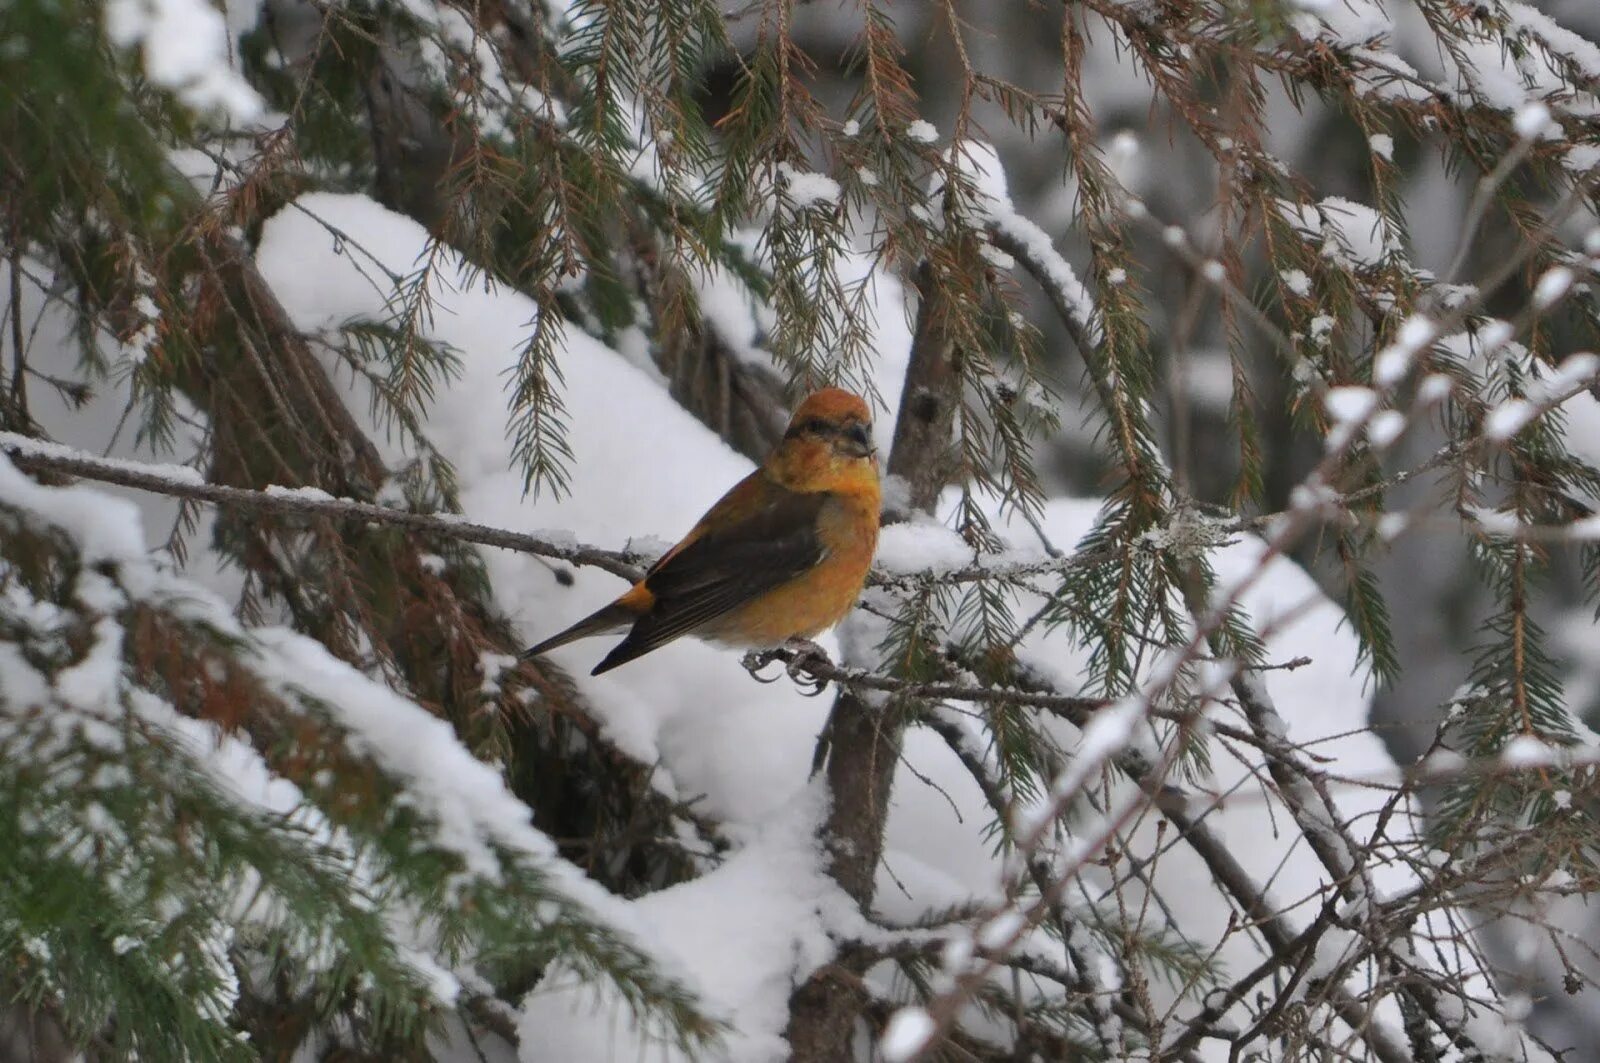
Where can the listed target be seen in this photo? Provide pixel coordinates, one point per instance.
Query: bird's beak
(856, 441)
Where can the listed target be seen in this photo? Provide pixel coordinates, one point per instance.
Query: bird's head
(828, 444)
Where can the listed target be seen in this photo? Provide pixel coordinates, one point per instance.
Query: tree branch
(180, 481)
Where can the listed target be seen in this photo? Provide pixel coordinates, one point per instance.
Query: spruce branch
(184, 482)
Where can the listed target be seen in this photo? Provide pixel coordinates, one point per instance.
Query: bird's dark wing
(760, 536)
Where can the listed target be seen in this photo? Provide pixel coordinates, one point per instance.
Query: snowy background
(762, 915)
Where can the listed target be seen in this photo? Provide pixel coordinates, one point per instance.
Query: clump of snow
(979, 163)
(1393, 525)
(1207, 378)
(1382, 145)
(1109, 732)
(1494, 521)
(804, 189)
(309, 494)
(175, 474)
(922, 132)
(1528, 751)
(1521, 72)
(185, 48)
(1391, 364)
(1583, 52)
(1532, 120)
(1553, 284)
(1351, 22)
(1385, 427)
(908, 1031)
(1348, 409)
(1581, 158)
(1575, 371)
(997, 258)
(1508, 418)
(1350, 234)
(916, 546)
(733, 310)
(1321, 328)
(740, 934)
(1296, 281)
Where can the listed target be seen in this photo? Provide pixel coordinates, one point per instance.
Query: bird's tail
(613, 617)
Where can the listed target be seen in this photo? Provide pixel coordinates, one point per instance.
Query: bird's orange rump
(783, 555)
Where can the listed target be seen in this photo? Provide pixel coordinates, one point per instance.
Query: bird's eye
(818, 426)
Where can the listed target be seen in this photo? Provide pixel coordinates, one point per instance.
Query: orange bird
(781, 556)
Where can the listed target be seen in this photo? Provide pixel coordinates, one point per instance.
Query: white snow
(1393, 362)
(308, 494)
(1385, 427)
(804, 189)
(1509, 418)
(908, 1030)
(1350, 403)
(1552, 285)
(1528, 751)
(922, 132)
(980, 164)
(1348, 410)
(1321, 328)
(742, 933)
(1109, 732)
(1296, 281)
(104, 528)
(1581, 158)
(185, 47)
(1532, 120)
(1207, 378)
(1350, 234)
(915, 546)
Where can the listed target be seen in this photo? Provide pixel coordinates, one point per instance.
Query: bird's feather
(758, 537)
(608, 618)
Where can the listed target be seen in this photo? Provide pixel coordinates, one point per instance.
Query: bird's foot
(805, 660)
(802, 657)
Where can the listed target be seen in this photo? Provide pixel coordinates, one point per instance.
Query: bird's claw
(755, 660)
(803, 655)
(806, 655)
